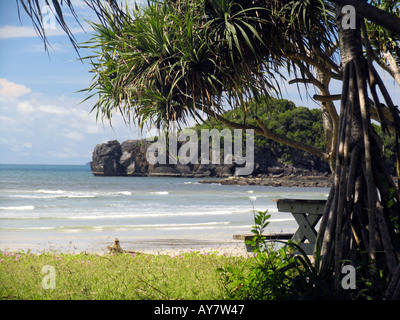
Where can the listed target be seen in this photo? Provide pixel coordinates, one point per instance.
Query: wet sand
(79, 243)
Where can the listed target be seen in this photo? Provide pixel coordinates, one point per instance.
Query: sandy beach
(227, 249)
(166, 246)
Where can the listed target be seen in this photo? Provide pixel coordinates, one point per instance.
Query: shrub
(263, 276)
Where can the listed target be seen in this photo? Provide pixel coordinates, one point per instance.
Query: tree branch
(370, 12)
(324, 98)
(393, 66)
(311, 79)
(383, 65)
(262, 130)
(291, 143)
(297, 80)
(316, 64)
(325, 57)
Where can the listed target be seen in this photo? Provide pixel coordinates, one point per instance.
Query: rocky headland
(129, 159)
(277, 181)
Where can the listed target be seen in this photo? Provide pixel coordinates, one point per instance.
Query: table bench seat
(270, 236)
(307, 214)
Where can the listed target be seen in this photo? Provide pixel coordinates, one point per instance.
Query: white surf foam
(160, 192)
(18, 208)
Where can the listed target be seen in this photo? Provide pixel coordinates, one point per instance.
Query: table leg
(306, 230)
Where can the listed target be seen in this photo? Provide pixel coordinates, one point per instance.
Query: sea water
(66, 207)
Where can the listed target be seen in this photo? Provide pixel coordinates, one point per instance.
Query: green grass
(124, 276)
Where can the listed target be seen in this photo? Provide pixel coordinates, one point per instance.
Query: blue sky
(41, 118)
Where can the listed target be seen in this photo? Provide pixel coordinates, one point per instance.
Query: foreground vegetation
(85, 276)
(273, 272)
(266, 275)
(271, 275)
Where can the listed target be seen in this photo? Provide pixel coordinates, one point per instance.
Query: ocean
(66, 208)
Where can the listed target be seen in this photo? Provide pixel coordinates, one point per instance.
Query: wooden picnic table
(268, 237)
(307, 214)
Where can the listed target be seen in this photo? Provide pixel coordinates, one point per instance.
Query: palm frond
(166, 61)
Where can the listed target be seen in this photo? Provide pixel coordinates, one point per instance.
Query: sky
(42, 119)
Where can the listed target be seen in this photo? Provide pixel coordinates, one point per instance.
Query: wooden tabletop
(301, 206)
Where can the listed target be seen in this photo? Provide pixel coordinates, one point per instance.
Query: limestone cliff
(129, 159)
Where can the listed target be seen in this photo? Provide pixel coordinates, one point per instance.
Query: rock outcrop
(129, 159)
(133, 159)
(106, 159)
(278, 181)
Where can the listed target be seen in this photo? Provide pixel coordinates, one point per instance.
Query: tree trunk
(361, 221)
(330, 119)
(393, 66)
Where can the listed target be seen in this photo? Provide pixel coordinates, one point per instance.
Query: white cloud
(93, 129)
(61, 155)
(64, 153)
(9, 32)
(7, 120)
(52, 129)
(52, 109)
(12, 90)
(75, 135)
(25, 107)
